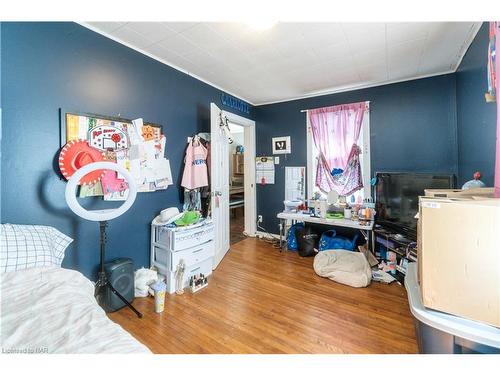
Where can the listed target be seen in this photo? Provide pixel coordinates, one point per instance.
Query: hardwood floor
(237, 222)
(262, 301)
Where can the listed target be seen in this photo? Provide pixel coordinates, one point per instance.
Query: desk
(236, 189)
(236, 197)
(366, 230)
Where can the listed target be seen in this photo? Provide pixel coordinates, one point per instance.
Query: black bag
(307, 241)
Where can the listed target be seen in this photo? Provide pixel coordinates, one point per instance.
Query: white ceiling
(294, 60)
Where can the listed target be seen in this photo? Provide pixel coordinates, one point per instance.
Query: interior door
(219, 177)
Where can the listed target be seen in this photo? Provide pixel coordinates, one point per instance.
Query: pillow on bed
(30, 246)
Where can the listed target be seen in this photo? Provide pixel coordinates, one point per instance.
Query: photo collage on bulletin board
(137, 146)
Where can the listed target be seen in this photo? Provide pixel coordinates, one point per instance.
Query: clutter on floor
(307, 241)
(198, 282)
(330, 240)
(382, 276)
(368, 254)
(143, 279)
(343, 266)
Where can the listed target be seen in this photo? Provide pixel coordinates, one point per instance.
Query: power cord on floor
(270, 238)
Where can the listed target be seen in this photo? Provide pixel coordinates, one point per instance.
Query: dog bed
(345, 267)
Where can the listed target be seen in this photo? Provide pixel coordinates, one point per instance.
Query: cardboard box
(475, 193)
(459, 257)
(459, 193)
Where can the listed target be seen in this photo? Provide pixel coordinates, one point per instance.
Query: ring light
(99, 215)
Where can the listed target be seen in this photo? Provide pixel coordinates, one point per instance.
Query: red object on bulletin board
(76, 154)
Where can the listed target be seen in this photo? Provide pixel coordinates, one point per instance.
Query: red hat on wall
(76, 154)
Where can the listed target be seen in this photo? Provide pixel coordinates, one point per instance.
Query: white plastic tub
(439, 332)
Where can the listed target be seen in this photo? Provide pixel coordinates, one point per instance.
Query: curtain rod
(310, 109)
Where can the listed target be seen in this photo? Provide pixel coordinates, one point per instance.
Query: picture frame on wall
(282, 145)
(75, 125)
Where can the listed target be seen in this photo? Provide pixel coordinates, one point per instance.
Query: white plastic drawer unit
(180, 239)
(170, 259)
(194, 255)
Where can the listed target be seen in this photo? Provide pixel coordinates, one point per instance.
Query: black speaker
(120, 273)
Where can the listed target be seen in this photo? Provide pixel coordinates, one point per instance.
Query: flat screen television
(396, 198)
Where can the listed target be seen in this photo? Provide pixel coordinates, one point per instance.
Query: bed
(49, 309)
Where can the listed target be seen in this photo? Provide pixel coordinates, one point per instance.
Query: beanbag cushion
(345, 267)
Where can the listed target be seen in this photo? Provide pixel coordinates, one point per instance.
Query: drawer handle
(197, 251)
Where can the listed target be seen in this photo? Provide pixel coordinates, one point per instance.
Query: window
(363, 143)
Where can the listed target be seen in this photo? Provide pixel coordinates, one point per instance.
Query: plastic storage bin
(168, 260)
(441, 333)
(194, 245)
(184, 238)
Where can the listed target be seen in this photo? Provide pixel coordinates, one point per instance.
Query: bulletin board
(136, 145)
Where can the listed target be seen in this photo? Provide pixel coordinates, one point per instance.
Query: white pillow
(30, 246)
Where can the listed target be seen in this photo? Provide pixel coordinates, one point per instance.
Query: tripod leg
(100, 283)
(115, 292)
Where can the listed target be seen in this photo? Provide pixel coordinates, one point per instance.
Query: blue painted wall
(412, 125)
(476, 119)
(1, 131)
(46, 66)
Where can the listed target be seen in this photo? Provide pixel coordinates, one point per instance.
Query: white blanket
(54, 310)
(343, 266)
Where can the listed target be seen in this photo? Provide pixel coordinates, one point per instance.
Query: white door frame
(249, 172)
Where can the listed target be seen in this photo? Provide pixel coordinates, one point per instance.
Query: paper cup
(159, 301)
(159, 288)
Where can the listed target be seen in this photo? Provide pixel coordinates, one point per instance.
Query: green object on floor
(189, 217)
(336, 215)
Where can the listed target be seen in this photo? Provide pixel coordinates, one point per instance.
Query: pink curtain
(335, 130)
(497, 69)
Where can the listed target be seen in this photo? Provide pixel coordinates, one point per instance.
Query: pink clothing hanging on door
(195, 166)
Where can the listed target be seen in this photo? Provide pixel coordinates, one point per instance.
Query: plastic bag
(291, 239)
(143, 278)
(330, 241)
(307, 241)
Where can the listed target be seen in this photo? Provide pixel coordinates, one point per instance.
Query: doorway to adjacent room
(236, 183)
(232, 193)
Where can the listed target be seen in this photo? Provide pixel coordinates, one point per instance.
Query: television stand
(387, 239)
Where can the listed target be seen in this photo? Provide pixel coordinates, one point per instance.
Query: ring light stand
(102, 216)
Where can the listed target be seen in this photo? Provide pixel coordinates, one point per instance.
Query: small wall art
(282, 145)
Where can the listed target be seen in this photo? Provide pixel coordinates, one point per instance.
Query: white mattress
(54, 310)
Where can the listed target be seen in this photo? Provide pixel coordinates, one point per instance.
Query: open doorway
(221, 177)
(237, 184)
